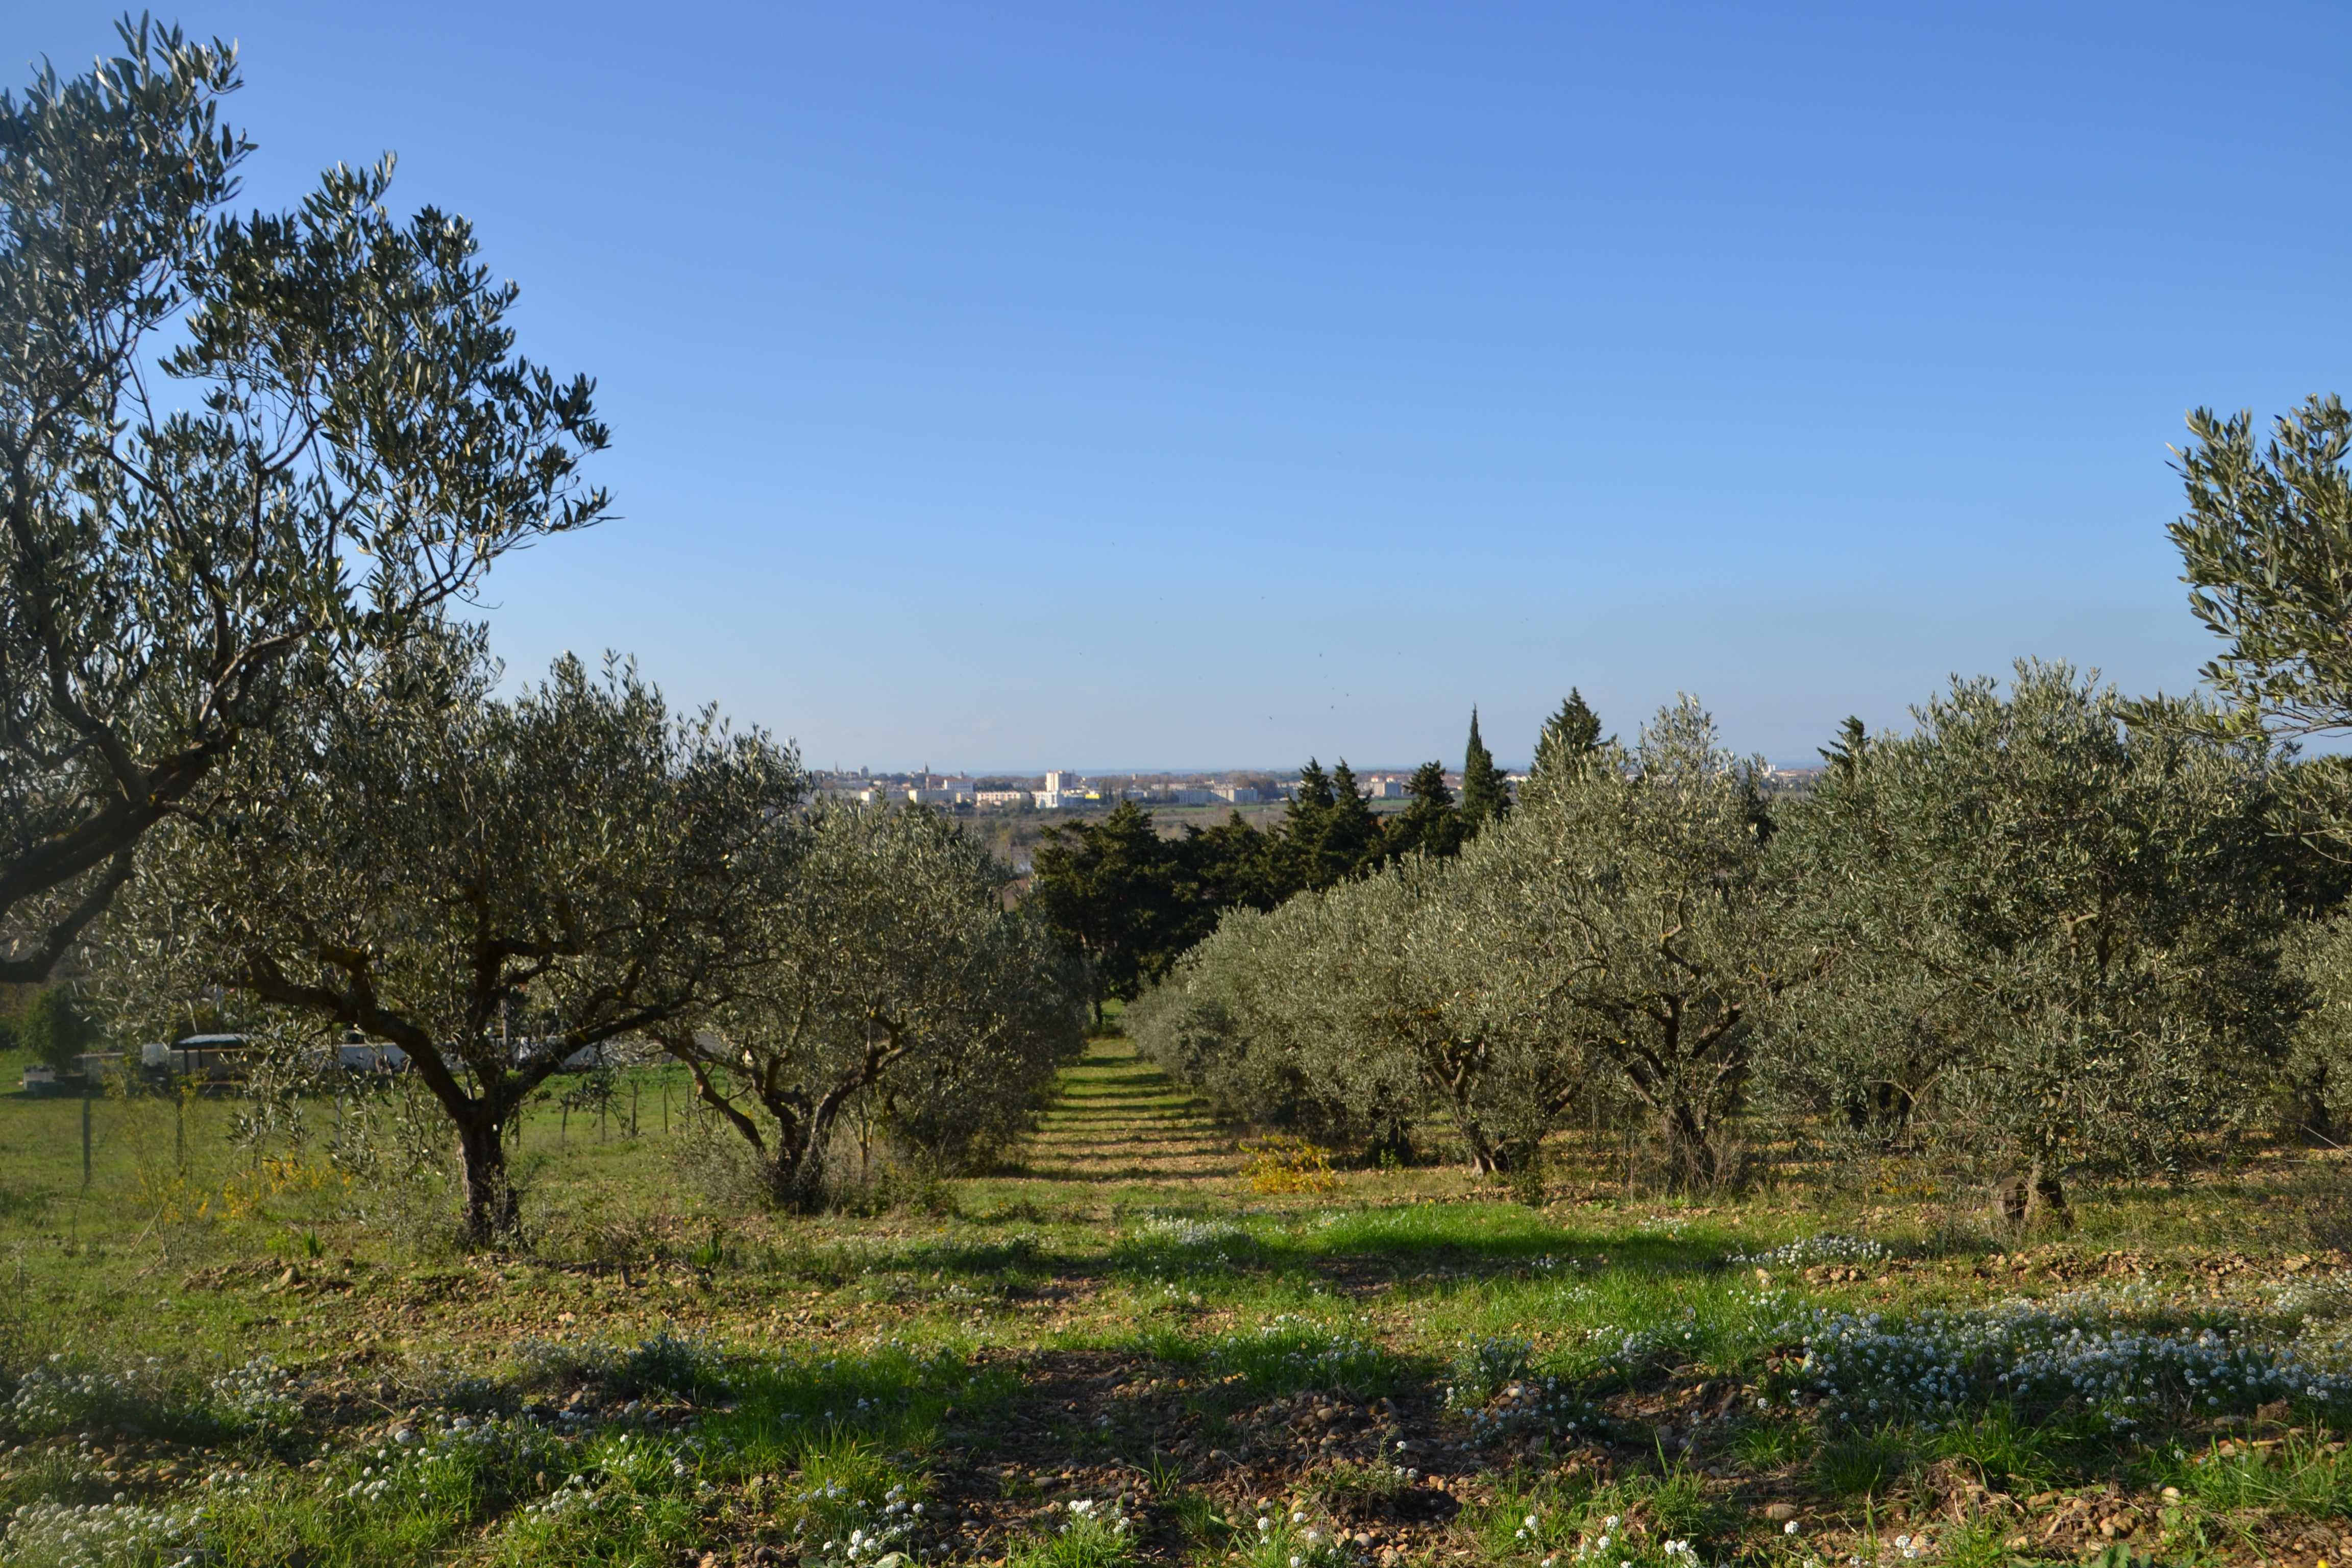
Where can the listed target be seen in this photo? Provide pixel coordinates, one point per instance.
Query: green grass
(1408, 1364)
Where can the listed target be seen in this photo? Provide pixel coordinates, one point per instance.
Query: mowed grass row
(1122, 1352)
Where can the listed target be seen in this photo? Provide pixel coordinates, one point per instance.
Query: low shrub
(1283, 1163)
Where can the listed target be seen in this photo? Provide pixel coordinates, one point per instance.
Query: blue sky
(1114, 386)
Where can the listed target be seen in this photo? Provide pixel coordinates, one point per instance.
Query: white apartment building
(1239, 794)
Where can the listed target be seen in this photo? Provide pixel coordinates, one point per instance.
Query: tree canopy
(491, 885)
(2058, 937)
(234, 451)
(893, 978)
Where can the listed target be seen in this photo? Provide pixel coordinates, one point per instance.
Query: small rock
(1778, 1511)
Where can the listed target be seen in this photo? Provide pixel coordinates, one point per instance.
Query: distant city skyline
(1120, 387)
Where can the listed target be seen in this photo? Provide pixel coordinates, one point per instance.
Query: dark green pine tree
(1296, 851)
(1222, 867)
(1569, 736)
(1351, 834)
(1314, 796)
(1484, 797)
(1845, 754)
(1108, 888)
(1431, 823)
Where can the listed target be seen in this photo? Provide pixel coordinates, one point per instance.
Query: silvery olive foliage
(1613, 936)
(1446, 977)
(1349, 1012)
(1237, 1018)
(2058, 938)
(2267, 545)
(235, 452)
(891, 983)
(1327, 1016)
(491, 884)
(2266, 549)
(1646, 908)
(2319, 1072)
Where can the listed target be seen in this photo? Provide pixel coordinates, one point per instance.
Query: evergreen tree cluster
(1132, 900)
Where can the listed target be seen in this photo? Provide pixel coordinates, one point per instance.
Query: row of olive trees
(247, 463)
(494, 885)
(2024, 930)
(2044, 928)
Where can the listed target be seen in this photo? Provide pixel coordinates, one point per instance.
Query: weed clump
(1494, 1385)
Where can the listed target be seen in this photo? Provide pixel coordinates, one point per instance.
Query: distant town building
(1385, 786)
(1000, 799)
(1057, 783)
(1238, 794)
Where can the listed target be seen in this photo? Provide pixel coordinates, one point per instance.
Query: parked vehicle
(207, 1058)
(370, 1056)
(40, 1079)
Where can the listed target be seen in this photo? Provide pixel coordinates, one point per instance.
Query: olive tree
(1647, 918)
(1443, 975)
(1267, 1016)
(2266, 544)
(234, 450)
(2319, 1076)
(1346, 1013)
(492, 885)
(2058, 940)
(891, 978)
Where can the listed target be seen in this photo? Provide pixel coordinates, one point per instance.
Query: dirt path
(1119, 1118)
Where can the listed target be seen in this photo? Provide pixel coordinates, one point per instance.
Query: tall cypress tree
(1484, 797)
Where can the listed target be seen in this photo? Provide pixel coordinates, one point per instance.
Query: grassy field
(1128, 1350)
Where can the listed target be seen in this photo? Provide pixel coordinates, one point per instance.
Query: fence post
(85, 1129)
